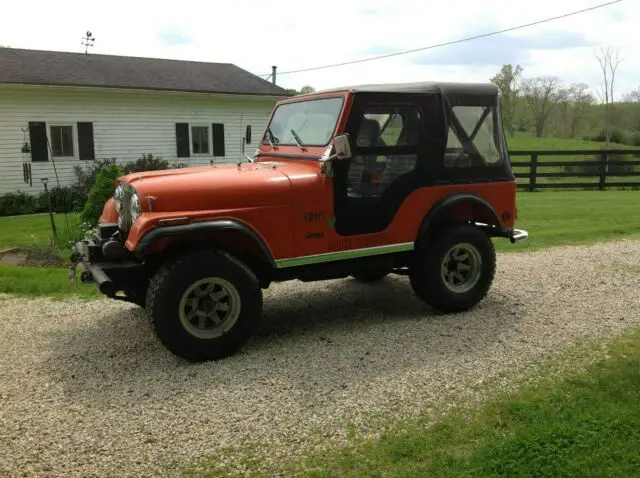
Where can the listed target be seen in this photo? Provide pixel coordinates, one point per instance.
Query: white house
(70, 108)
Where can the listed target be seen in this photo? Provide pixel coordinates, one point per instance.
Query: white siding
(126, 124)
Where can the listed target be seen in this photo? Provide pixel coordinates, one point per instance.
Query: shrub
(14, 204)
(616, 136)
(86, 176)
(634, 138)
(63, 199)
(100, 192)
(146, 162)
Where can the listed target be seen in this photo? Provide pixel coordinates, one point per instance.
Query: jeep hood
(223, 186)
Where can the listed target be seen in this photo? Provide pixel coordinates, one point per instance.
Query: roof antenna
(87, 41)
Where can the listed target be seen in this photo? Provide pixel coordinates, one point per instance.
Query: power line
(453, 42)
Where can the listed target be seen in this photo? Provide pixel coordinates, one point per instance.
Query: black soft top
(446, 89)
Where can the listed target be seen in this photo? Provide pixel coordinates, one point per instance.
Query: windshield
(304, 123)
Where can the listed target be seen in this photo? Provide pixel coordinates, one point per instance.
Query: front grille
(125, 220)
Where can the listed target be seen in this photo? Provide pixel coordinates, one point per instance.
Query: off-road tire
(174, 278)
(368, 276)
(426, 276)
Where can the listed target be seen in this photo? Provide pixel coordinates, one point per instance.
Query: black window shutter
(38, 138)
(218, 139)
(182, 139)
(85, 141)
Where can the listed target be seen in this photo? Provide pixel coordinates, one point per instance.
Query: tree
(608, 59)
(541, 95)
(633, 97)
(581, 100)
(307, 89)
(564, 105)
(507, 80)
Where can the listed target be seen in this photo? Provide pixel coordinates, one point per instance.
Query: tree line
(545, 105)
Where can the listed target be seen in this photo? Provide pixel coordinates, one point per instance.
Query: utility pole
(87, 41)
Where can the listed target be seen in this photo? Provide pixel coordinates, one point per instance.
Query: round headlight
(118, 195)
(135, 207)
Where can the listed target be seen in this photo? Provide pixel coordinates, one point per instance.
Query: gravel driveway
(86, 390)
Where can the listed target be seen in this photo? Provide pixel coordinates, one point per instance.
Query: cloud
(172, 35)
(255, 35)
(369, 11)
(374, 50)
(502, 48)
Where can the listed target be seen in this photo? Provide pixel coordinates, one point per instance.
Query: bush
(14, 204)
(86, 176)
(147, 162)
(616, 136)
(63, 199)
(101, 191)
(634, 138)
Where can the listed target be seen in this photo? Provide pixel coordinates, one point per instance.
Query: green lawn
(583, 425)
(529, 142)
(574, 217)
(35, 231)
(43, 282)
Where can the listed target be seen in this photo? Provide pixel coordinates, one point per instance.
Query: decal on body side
(344, 254)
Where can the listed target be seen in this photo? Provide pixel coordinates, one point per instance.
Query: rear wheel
(455, 269)
(204, 306)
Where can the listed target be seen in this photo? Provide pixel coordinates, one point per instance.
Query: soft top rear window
(473, 139)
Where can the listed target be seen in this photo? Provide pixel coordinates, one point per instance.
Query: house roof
(38, 67)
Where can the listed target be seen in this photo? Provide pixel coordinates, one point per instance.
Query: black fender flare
(206, 226)
(442, 204)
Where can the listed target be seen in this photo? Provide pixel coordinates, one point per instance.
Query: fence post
(603, 170)
(533, 171)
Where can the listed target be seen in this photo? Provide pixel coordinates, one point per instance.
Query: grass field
(35, 232)
(551, 218)
(529, 142)
(587, 424)
(574, 217)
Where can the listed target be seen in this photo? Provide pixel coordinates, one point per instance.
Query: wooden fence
(599, 170)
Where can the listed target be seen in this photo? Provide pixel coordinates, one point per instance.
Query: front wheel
(204, 306)
(455, 270)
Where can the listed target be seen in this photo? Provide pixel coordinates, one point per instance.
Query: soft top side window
(389, 125)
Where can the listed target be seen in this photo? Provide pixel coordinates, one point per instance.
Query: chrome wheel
(209, 308)
(461, 268)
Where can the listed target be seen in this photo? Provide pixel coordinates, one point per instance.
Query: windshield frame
(265, 142)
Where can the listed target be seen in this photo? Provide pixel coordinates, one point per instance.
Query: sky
(294, 35)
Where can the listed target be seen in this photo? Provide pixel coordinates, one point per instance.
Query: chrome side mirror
(342, 146)
(339, 149)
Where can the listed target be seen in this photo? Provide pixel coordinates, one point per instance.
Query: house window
(62, 141)
(200, 140)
